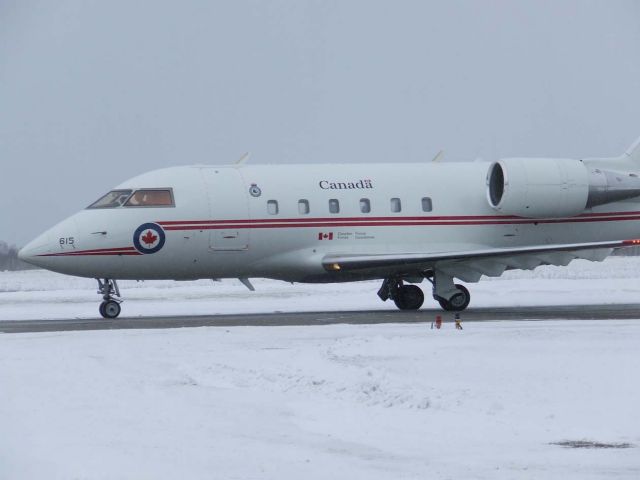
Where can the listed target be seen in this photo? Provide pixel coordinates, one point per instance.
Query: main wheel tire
(409, 297)
(458, 302)
(110, 309)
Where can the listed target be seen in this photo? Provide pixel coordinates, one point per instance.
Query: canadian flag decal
(325, 236)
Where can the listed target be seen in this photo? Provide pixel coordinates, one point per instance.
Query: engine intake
(554, 187)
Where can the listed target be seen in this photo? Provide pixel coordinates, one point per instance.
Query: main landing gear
(458, 302)
(110, 306)
(451, 297)
(406, 297)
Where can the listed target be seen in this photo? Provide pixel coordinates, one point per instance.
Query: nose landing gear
(110, 306)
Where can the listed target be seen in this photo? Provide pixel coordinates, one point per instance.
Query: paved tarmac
(571, 312)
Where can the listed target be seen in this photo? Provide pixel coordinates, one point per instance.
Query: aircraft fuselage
(279, 221)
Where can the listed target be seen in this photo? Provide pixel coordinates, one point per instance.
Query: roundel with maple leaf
(148, 238)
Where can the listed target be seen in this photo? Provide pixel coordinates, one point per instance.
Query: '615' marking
(66, 241)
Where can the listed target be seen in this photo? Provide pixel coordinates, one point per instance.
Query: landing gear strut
(110, 306)
(452, 298)
(406, 297)
(458, 302)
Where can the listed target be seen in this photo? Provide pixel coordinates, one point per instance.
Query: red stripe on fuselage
(94, 252)
(451, 218)
(390, 221)
(324, 222)
(331, 219)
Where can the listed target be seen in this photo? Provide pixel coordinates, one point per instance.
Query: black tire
(110, 309)
(458, 302)
(409, 297)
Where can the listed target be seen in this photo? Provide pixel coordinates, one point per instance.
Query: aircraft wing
(470, 265)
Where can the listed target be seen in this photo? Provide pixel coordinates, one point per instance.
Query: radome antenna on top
(438, 156)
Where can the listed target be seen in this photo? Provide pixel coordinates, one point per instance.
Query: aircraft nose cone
(44, 251)
(33, 251)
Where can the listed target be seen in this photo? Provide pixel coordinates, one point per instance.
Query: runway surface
(571, 312)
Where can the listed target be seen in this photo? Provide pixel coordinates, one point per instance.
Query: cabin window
(303, 207)
(113, 199)
(156, 197)
(365, 205)
(272, 207)
(427, 206)
(334, 205)
(396, 205)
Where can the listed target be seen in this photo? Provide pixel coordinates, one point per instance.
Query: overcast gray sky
(94, 92)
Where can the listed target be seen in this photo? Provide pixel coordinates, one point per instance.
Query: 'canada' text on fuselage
(359, 185)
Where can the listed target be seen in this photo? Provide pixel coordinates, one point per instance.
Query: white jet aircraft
(400, 223)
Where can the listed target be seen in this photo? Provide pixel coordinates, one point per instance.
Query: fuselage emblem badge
(254, 190)
(149, 238)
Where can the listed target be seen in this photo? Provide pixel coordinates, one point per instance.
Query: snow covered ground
(338, 401)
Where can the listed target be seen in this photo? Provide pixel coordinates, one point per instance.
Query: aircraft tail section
(628, 161)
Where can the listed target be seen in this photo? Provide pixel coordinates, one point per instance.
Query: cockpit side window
(113, 199)
(151, 197)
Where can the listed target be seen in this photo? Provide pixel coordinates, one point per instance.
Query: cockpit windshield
(156, 197)
(148, 197)
(113, 199)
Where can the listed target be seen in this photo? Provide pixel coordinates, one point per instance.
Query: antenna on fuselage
(243, 159)
(247, 283)
(438, 156)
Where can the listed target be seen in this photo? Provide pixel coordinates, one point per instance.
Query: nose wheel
(110, 306)
(110, 309)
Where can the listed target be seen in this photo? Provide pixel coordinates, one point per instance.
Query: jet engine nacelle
(554, 187)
